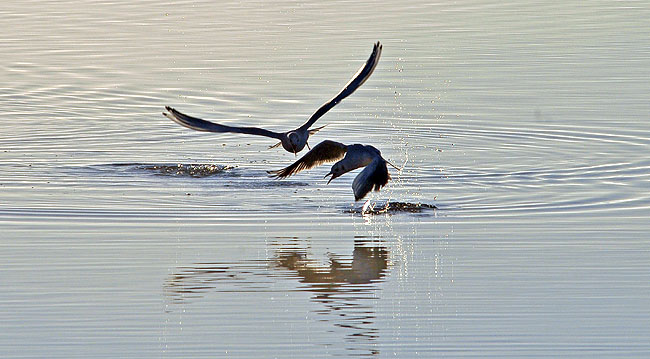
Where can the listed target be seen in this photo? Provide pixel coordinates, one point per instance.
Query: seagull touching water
(295, 140)
(374, 176)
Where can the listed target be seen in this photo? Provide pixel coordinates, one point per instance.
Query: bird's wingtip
(276, 174)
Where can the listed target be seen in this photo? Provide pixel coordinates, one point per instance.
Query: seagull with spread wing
(350, 157)
(295, 140)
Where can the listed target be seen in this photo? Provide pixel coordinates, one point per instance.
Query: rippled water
(125, 235)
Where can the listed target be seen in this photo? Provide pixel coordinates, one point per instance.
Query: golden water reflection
(345, 286)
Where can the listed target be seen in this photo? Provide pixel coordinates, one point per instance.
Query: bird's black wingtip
(276, 174)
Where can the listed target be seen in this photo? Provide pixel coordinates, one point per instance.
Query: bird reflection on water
(344, 286)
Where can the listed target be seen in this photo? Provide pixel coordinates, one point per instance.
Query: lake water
(124, 235)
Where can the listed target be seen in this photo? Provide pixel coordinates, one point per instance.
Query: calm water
(125, 235)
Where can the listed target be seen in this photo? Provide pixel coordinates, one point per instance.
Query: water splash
(191, 170)
(391, 207)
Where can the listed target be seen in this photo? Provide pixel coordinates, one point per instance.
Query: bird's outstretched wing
(374, 176)
(359, 78)
(207, 126)
(326, 151)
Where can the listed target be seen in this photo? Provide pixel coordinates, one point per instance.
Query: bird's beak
(331, 178)
(329, 174)
(395, 167)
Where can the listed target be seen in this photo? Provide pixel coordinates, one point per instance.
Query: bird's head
(293, 142)
(374, 149)
(336, 171)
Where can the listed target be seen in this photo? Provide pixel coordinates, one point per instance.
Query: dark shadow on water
(234, 176)
(196, 170)
(392, 207)
(343, 286)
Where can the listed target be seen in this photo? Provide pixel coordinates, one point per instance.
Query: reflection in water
(342, 285)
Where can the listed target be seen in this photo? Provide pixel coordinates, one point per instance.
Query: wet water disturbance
(392, 207)
(517, 227)
(193, 170)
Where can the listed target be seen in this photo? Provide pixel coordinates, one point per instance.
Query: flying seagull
(350, 157)
(295, 140)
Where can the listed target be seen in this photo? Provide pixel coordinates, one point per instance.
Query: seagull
(295, 140)
(350, 157)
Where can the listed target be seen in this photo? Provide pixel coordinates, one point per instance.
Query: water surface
(126, 235)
